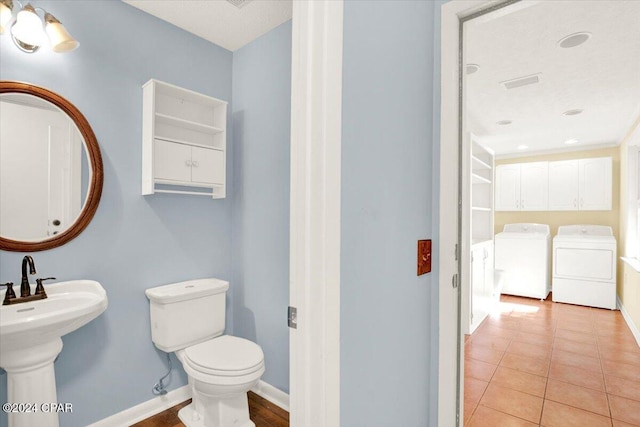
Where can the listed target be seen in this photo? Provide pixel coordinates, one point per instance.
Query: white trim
(632, 262)
(316, 128)
(146, 409)
(573, 148)
(627, 318)
(272, 394)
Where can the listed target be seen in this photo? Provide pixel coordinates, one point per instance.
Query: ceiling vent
(239, 3)
(522, 81)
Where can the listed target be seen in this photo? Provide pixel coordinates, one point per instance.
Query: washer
(522, 253)
(584, 266)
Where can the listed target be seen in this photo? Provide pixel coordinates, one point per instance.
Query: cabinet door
(595, 184)
(508, 188)
(208, 166)
(171, 161)
(563, 185)
(534, 186)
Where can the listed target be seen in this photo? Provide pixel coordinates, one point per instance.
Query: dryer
(522, 255)
(584, 266)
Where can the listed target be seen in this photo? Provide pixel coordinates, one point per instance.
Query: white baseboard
(146, 409)
(627, 318)
(158, 404)
(272, 394)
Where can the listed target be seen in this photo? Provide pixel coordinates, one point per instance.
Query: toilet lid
(226, 354)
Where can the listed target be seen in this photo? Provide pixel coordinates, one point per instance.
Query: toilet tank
(187, 313)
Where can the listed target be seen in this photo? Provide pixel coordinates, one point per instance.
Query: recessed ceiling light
(573, 40)
(504, 122)
(571, 141)
(522, 147)
(574, 112)
(472, 68)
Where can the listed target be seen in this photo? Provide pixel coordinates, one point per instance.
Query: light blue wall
(261, 132)
(134, 242)
(387, 318)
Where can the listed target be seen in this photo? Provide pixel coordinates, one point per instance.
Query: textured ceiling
(601, 76)
(219, 21)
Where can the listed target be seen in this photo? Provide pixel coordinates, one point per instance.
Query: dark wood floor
(262, 412)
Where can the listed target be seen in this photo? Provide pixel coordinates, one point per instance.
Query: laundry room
(550, 195)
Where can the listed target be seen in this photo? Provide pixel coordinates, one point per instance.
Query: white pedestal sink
(30, 341)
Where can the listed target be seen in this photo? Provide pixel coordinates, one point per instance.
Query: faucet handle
(10, 293)
(39, 287)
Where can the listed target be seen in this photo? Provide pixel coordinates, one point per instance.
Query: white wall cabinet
(482, 272)
(583, 184)
(522, 187)
(183, 141)
(477, 218)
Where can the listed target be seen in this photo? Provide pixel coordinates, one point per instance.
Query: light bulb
(61, 40)
(6, 12)
(28, 27)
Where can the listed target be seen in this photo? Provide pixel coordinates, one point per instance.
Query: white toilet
(189, 318)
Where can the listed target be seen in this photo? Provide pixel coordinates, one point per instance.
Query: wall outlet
(424, 257)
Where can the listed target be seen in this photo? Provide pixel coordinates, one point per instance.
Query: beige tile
(468, 410)
(620, 355)
(618, 423)
(559, 415)
(512, 402)
(626, 410)
(521, 381)
(576, 376)
(495, 331)
(545, 340)
(487, 417)
(532, 365)
(578, 397)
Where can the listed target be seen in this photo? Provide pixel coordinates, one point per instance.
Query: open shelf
(187, 124)
(477, 179)
(479, 164)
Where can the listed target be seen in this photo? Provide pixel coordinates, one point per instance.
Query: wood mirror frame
(94, 190)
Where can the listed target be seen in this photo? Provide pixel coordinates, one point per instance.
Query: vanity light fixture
(571, 141)
(27, 31)
(522, 147)
(504, 122)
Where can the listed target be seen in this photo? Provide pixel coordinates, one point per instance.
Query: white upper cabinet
(564, 185)
(522, 187)
(584, 184)
(184, 141)
(595, 184)
(508, 187)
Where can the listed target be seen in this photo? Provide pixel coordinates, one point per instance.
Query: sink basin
(30, 341)
(69, 306)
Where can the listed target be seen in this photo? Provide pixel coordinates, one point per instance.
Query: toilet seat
(225, 356)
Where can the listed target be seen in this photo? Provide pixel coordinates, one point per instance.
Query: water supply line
(159, 388)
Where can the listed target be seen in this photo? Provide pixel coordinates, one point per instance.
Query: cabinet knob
(187, 162)
(195, 163)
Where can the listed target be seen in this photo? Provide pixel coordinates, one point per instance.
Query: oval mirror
(50, 169)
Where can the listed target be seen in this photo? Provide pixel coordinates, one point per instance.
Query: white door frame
(316, 129)
(451, 360)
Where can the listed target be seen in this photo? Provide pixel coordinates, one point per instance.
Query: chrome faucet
(25, 288)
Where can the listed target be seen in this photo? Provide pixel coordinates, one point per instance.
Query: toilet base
(224, 413)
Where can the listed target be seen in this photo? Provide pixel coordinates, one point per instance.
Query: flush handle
(292, 317)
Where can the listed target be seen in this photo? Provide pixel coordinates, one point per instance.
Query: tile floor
(538, 363)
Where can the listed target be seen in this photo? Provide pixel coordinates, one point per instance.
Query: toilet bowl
(188, 318)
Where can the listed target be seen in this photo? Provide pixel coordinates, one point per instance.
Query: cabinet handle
(581, 202)
(575, 203)
(522, 204)
(187, 162)
(196, 163)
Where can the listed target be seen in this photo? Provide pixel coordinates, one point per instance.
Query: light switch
(424, 257)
